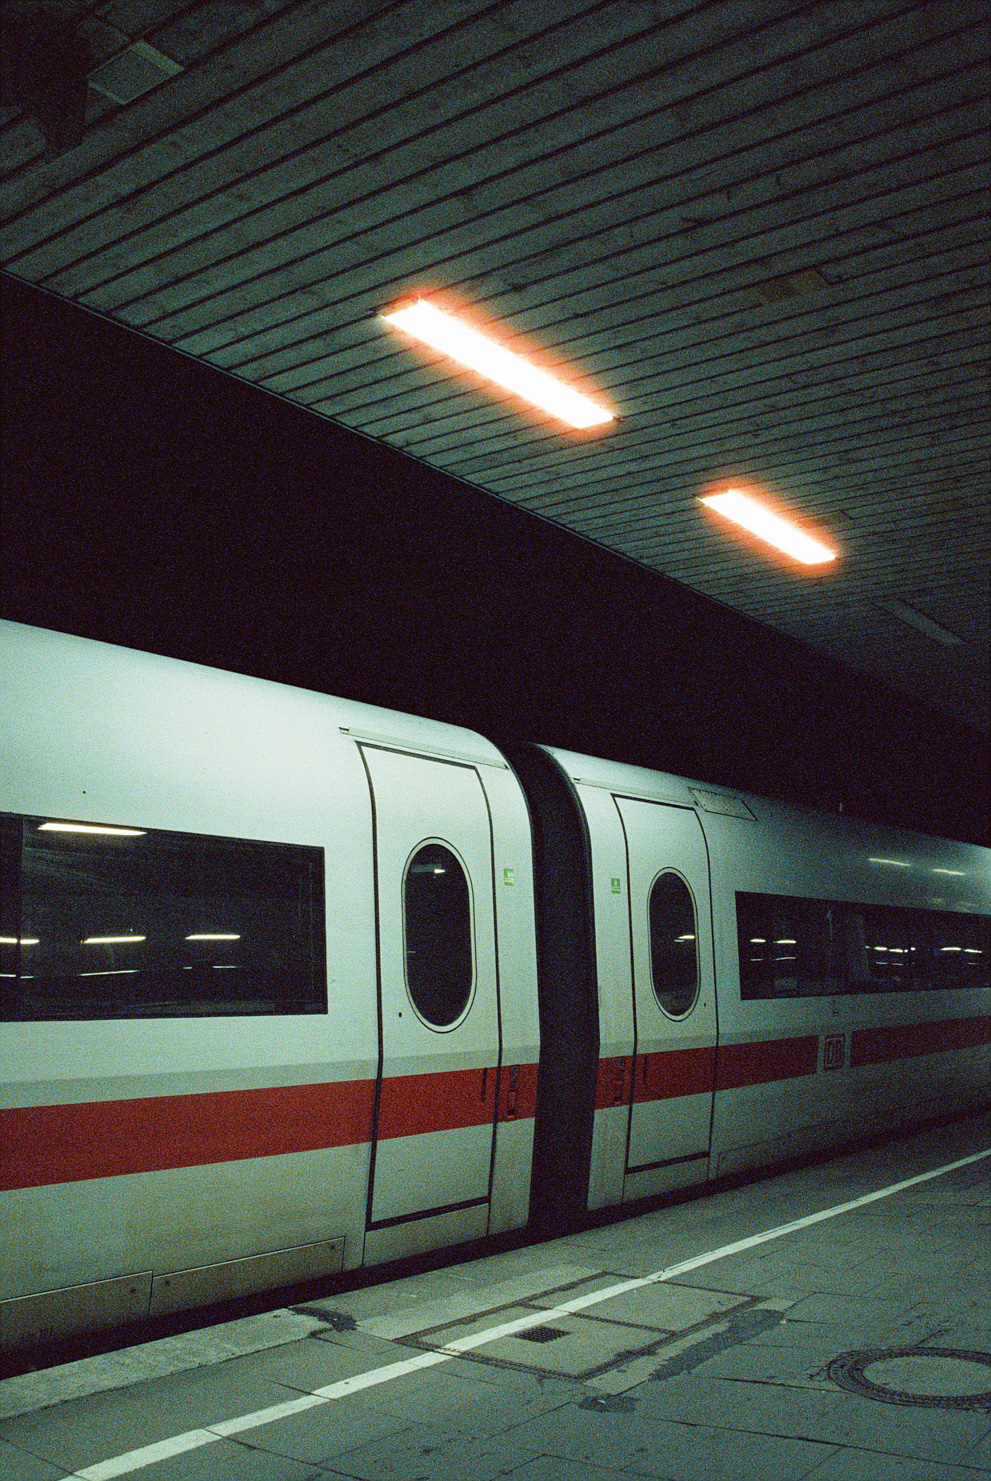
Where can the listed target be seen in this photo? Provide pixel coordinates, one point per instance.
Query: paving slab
(226, 1460)
(459, 1403)
(320, 1435)
(19, 1465)
(662, 1308)
(178, 1354)
(915, 1433)
(83, 1431)
(637, 1442)
(868, 1465)
(561, 1280)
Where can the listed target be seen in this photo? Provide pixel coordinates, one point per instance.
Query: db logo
(834, 1051)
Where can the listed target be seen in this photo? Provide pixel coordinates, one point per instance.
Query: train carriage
(293, 984)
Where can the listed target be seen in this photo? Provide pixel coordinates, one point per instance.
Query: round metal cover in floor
(933, 1377)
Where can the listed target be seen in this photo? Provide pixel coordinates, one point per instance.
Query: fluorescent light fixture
(91, 828)
(456, 339)
(116, 972)
(215, 936)
(110, 940)
(754, 516)
(24, 941)
(895, 863)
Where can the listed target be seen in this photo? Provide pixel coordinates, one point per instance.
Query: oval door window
(437, 928)
(674, 959)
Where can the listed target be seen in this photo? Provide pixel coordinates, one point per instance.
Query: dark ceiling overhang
(759, 230)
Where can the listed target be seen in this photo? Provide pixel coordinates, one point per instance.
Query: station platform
(829, 1322)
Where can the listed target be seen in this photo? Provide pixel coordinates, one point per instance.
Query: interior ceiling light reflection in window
(111, 940)
(90, 828)
(476, 351)
(774, 529)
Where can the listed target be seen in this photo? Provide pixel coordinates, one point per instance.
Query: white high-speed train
(293, 984)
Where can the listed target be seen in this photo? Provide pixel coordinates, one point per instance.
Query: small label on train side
(834, 1051)
(508, 876)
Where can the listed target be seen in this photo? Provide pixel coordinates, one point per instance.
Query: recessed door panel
(674, 1005)
(437, 986)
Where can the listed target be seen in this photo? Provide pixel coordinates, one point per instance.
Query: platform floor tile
(322, 1436)
(18, 1465)
(464, 1406)
(309, 1365)
(418, 1452)
(226, 1460)
(945, 1435)
(865, 1465)
(637, 1442)
(662, 1308)
(88, 1430)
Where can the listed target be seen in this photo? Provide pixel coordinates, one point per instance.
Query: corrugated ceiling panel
(758, 229)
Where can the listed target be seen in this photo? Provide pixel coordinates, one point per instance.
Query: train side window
(888, 943)
(438, 937)
(789, 946)
(674, 958)
(107, 921)
(953, 949)
(792, 947)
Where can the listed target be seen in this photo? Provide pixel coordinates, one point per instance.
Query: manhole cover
(933, 1377)
(542, 1334)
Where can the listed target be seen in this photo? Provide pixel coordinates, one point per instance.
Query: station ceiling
(756, 230)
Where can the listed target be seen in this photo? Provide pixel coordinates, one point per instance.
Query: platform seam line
(135, 1460)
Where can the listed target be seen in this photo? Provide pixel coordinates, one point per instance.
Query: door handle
(512, 1093)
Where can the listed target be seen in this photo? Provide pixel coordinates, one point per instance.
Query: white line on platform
(135, 1460)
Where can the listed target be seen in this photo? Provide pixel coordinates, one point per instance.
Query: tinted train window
(888, 947)
(793, 947)
(950, 950)
(101, 921)
(789, 947)
(437, 926)
(674, 960)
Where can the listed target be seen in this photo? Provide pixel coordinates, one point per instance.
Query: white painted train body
(293, 984)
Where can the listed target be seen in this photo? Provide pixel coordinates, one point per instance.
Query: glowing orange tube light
(468, 347)
(751, 515)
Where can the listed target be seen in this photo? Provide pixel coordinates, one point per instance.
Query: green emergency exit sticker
(508, 876)
(615, 886)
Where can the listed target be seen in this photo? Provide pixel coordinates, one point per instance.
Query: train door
(438, 994)
(674, 1001)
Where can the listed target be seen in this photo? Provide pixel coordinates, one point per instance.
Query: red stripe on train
(102, 1139)
(676, 1072)
(448, 1099)
(903, 1041)
(443, 1101)
(765, 1060)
